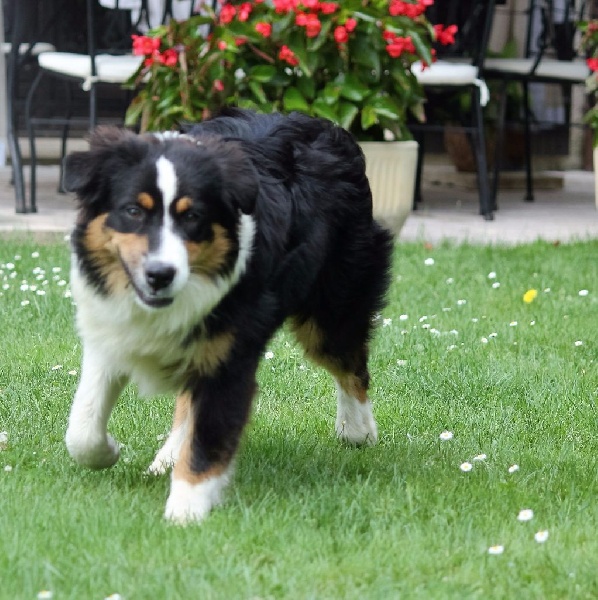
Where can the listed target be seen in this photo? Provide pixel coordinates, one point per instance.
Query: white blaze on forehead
(167, 181)
(171, 249)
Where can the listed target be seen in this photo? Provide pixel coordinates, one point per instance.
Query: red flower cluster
(311, 23)
(150, 48)
(445, 35)
(407, 9)
(592, 64)
(288, 56)
(341, 33)
(285, 6)
(264, 28)
(396, 45)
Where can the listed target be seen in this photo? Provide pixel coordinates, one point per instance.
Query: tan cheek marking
(183, 204)
(105, 245)
(146, 201)
(209, 257)
(213, 353)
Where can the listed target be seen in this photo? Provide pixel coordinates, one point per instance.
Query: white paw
(99, 455)
(357, 425)
(190, 503)
(160, 465)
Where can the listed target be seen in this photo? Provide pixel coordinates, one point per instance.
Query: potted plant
(589, 45)
(345, 61)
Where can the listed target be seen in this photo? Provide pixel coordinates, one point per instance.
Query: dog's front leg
(171, 450)
(217, 414)
(86, 438)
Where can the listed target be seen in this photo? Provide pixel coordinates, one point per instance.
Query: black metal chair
(549, 58)
(22, 50)
(108, 61)
(458, 71)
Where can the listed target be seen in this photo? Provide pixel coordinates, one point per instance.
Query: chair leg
(499, 146)
(16, 160)
(31, 135)
(529, 180)
(65, 135)
(479, 140)
(417, 195)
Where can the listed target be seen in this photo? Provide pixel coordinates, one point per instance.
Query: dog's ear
(82, 169)
(241, 179)
(78, 171)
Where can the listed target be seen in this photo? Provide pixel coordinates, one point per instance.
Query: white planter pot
(596, 176)
(391, 170)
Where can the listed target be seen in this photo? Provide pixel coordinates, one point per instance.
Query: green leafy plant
(348, 62)
(589, 45)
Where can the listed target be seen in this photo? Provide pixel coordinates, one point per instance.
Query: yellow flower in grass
(530, 296)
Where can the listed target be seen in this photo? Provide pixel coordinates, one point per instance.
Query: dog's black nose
(159, 275)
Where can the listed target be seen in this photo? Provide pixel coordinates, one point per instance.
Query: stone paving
(448, 212)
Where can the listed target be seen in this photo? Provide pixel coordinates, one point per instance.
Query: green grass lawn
(457, 351)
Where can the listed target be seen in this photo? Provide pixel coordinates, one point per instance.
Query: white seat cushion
(23, 48)
(444, 72)
(447, 73)
(573, 71)
(110, 69)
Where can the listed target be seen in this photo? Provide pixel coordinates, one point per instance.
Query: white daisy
(466, 467)
(269, 355)
(446, 435)
(492, 275)
(583, 292)
(541, 536)
(496, 550)
(527, 514)
(429, 262)
(513, 468)
(480, 457)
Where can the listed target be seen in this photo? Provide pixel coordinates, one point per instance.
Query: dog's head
(154, 210)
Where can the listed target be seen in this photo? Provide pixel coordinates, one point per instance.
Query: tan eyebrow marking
(183, 204)
(146, 201)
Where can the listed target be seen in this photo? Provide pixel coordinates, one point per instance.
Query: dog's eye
(190, 216)
(134, 211)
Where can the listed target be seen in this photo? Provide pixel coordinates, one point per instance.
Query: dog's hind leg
(170, 451)
(355, 421)
(87, 439)
(347, 363)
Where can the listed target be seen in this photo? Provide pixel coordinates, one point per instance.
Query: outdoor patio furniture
(549, 58)
(457, 75)
(108, 61)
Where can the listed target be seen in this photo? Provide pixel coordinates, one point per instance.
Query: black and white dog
(189, 251)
